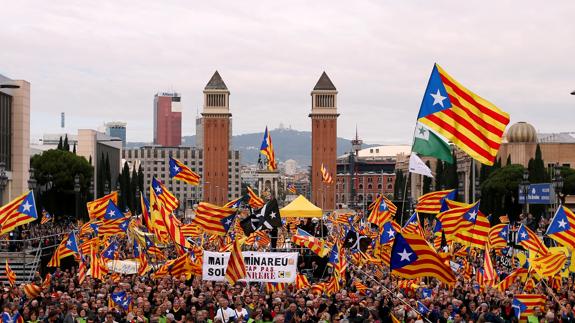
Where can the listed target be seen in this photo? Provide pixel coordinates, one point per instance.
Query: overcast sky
(103, 60)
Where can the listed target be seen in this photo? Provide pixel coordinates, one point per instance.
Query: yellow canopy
(301, 208)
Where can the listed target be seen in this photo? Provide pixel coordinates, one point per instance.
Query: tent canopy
(301, 208)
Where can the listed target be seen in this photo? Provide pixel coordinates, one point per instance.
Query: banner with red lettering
(271, 267)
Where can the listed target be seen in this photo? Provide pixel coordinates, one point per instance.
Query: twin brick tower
(216, 140)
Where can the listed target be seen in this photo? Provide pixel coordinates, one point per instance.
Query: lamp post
(106, 187)
(558, 184)
(525, 191)
(77, 194)
(3, 180)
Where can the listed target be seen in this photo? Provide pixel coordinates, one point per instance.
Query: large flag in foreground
(413, 257)
(212, 217)
(530, 241)
(562, 227)
(431, 202)
(18, 212)
(236, 269)
(472, 123)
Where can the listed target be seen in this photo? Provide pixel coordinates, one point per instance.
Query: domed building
(521, 139)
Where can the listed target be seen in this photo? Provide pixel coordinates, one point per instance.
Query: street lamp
(77, 194)
(558, 183)
(106, 187)
(525, 191)
(32, 183)
(3, 180)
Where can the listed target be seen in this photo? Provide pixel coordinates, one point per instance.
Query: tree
(125, 189)
(135, 199)
(499, 192)
(74, 151)
(439, 175)
(508, 160)
(60, 167)
(450, 179)
(66, 145)
(141, 180)
(398, 185)
(60, 144)
(426, 181)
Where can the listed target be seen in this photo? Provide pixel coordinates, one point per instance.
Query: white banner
(127, 266)
(276, 267)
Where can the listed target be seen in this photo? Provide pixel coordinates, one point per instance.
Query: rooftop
(216, 83)
(324, 83)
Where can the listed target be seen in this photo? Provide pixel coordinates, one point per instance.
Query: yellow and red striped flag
(267, 148)
(82, 272)
(32, 291)
(236, 269)
(47, 282)
(191, 230)
(458, 219)
(562, 227)
(524, 304)
(301, 282)
(46, 217)
(498, 236)
(97, 208)
(382, 211)
(316, 245)
(325, 175)
(20, 211)
(318, 289)
(412, 257)
(530, 241)
(472, 123)
(169, 200)
(490, 275)
(361, 288)
(431, 202)
(275, 287)
(519, 273)
(549, 264)
(255, 201)
(174, 231)
(181, 266)
(182, 172)
(210, 217)
(10, 274)
(261, 237)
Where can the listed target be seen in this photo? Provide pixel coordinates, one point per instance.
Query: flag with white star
(182, 172)
(412, 257)
(470, 122)
(387, 233)
(530, 241)
(113, 212)
(18, 212)
(562, 227)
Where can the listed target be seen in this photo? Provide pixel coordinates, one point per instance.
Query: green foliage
(499, 191)
(438, 175)
(59, 167)
(60, 144)
(508, 160)
(74, 151)
(66, 145)
(536, 166)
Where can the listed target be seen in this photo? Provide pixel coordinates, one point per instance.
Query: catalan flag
(47, 282)
(519, 273)
(255, 201)
(169, 200)
(82, 272)
(275, 287)
(211, 217)
(524, 304)
(97, 208)
(431, 202)
(236, 269)
(549, 264)
(146, 218)
(18, 212)
(498, 236)
(32, 291)
(458, 219)
(174, 230)
(10, 274)
(412, 225)
(260, 237)
(234, 204)
(182, 172)
(316, 245)
(413, 257)
(383, 211)
(473, 124)
(361, 288)
(562, 227)
(490, 275)
(267, 149)
(291, 188)
(192, 230)
(301, 282)
(113, 211)
(46, 217)
(530, 241)
(325, 175)
(388, 231)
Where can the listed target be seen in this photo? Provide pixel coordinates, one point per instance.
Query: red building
(324, 141)
(216, 141)
(167, 119)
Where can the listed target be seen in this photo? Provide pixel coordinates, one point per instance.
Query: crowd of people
(386, 298)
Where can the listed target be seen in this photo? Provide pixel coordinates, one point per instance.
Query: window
(369, 186)
(360, 186)
(379, 186)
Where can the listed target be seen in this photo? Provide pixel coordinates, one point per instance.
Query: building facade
(216, 144)
(117, 129)
(14, 136)
(365, 173)
(154, 161)
(324, 141)
(167, 119)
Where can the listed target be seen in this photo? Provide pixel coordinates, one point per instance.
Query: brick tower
(323, 141)
(216, 142)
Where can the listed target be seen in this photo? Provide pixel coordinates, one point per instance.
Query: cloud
(104, 60)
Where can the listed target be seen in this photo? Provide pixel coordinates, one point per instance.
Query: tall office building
(167, 119)
(216, 141)
(14, 136)
(117, 129)
(324, 140)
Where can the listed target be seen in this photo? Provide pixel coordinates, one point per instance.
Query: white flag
(416, 165)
